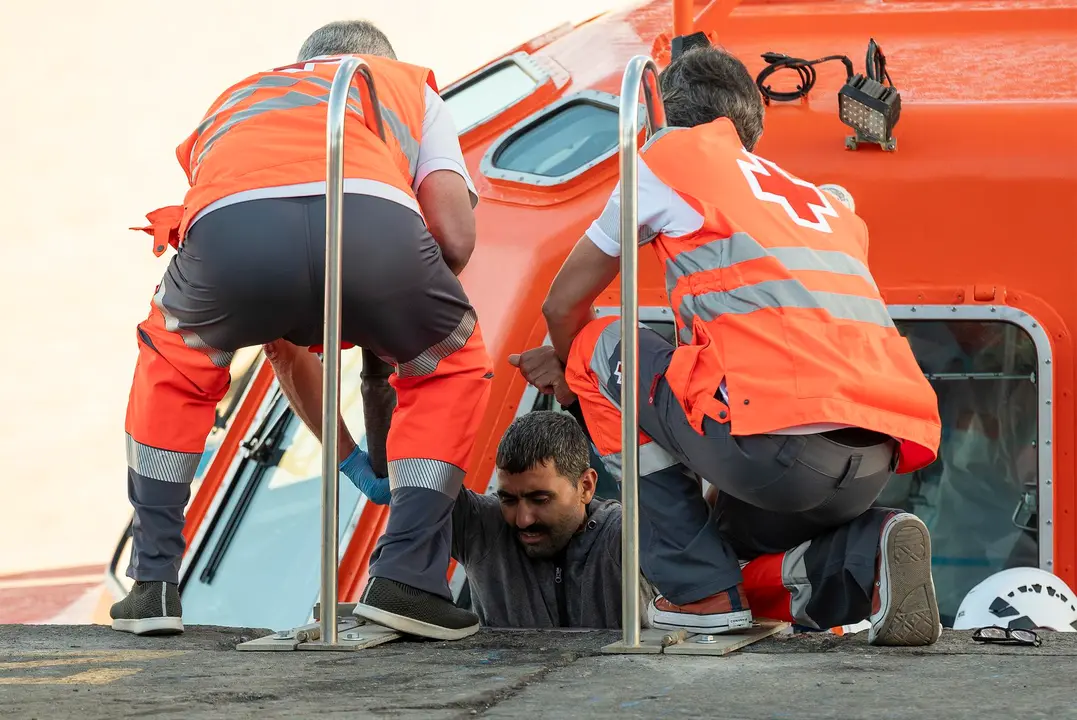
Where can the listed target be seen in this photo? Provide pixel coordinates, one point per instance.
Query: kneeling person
(790, 390)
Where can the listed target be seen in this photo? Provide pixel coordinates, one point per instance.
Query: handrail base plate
(353, 633)
(679, 642)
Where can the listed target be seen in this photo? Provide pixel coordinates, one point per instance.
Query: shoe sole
(909, 616)
(150, 626)
(411, 626)
(701, 624)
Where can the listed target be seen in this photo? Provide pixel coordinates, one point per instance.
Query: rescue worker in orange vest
(790, 390)
(249, 270)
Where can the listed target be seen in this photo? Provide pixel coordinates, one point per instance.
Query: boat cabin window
(258, 565)
(488, 92)
(558, 143)
(979, 499)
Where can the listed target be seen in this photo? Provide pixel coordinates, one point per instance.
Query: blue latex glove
(357, 469)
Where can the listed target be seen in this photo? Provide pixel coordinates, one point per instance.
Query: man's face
(544, 508)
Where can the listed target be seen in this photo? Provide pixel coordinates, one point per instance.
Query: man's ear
(587, 484)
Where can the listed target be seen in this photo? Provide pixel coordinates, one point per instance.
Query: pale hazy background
(94, 99)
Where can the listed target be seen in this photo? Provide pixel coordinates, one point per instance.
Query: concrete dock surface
(90, 672)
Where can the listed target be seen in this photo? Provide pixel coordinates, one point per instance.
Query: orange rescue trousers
(252, 273)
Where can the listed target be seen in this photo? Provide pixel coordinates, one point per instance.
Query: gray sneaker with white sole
(414, 612)
(151, 608)
(905, 611)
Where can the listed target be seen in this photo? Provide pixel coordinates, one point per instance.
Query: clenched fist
(541, 367)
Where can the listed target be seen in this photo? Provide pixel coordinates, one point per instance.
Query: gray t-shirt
(579, 589)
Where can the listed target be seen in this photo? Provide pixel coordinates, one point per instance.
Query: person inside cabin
(540, 552)
(789, 390)
(249, 270)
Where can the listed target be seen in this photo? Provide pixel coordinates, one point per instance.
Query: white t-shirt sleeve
(440, 145)
(659, 210)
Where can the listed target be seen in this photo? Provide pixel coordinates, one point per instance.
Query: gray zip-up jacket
(579, 589)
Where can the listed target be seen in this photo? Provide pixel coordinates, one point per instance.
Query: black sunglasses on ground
(1016, 636)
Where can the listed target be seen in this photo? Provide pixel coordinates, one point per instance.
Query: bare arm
(299, 373)
(595, 261)
(586, 273)
(443, 186)
(446, 204)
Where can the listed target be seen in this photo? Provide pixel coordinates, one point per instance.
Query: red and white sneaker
(719, 613)
(904, 611)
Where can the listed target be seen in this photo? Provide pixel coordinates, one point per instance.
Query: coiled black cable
(804, 68)
(874, 62)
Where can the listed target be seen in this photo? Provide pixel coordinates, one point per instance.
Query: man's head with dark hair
(346, 37)
(545, 480)
(706, 83)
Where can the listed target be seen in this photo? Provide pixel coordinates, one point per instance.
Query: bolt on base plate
(353, 633)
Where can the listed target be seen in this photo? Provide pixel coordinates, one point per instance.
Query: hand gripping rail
(334, 200)
(641, 72)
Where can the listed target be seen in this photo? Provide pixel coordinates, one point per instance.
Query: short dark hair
(707, 83)
(541, 436)
(346, 37)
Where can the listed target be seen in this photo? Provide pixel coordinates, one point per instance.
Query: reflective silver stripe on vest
(288, 101)
(777, 294)
(295, 99)
(400, 130)
(770, 294)
(742, 247)
(652, 457)
(272, 81)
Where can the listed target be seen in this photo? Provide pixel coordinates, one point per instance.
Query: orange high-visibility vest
(773, 294)
(269, 130)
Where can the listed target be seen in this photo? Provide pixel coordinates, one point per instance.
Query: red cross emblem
(806, 205)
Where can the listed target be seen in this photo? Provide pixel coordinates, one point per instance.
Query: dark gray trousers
(254, 272)
(775, 491)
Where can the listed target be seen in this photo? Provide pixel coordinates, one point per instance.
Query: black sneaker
(413, 611)
(151, 608)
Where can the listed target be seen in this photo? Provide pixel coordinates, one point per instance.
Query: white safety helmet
(1021, 597)
(841, 194)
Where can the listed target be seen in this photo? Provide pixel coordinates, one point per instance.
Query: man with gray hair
(357, 37)
(249, 270)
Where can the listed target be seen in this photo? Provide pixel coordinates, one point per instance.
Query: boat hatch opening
(557, 144)
(486, 94)
(658, 319)
(250, 564)
(987, 498)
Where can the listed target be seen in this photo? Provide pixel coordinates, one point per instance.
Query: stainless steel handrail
(641, 72)
(334, 200)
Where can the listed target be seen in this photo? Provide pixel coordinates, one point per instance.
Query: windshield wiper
(263, 449)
